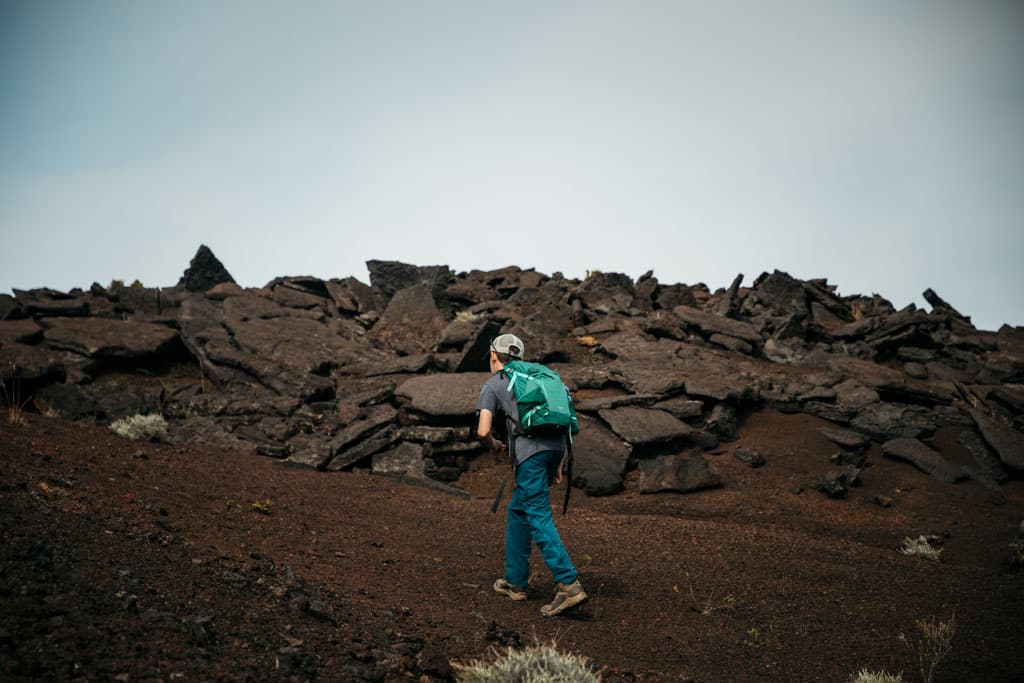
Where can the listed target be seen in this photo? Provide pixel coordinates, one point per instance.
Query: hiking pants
(529, 519)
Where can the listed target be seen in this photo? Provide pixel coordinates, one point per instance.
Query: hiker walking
(538, 461)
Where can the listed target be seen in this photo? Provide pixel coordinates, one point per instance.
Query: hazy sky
(876, 143)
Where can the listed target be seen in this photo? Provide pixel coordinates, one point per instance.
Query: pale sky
(879, 144)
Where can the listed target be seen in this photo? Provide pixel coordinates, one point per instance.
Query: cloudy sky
(879, 144)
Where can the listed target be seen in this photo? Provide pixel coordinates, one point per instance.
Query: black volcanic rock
(204, 271)
(307, 369)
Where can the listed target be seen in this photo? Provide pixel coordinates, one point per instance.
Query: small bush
(149, 427)
(936, 641)
(10, 397)
(539, 664)
(467, 316)
(921, 548)
(865, 676)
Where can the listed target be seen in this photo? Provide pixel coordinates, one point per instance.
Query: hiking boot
(510, 589)
(566, 595)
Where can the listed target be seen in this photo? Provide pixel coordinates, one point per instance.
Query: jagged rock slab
(405, 459)
(30, 362)
(642, 426)
(108, 338)
(923, 458)
(677, 472)
(411, 323)
(106, 401)
(1006, 441)
(593, 405)
(986, 462)
(379, 441)
(444, 395)
(710, 324)
(845, 437)
(852, 394)
(24, 331)
(387, 278)
(47, 302)
(599, 459)
(607, 293)
(373, 419)
(884, 421)
(681, 406)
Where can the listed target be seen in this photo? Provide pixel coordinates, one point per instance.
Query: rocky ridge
(339, 374)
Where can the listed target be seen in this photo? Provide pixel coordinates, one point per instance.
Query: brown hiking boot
(510, 589)
(566, 595)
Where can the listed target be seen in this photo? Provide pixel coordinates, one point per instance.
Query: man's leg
(517, 541)
(532, 484)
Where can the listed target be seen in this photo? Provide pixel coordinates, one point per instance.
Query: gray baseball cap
(508, 343)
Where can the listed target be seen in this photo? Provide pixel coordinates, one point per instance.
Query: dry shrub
(538, 664)
(865, 676)
(920, 547)
(935, 643)
(136, 427)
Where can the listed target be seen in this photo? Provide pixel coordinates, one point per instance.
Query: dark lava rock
(204, 271)
(923, 458)
(599, 459)
(677, 472)
(748, 457)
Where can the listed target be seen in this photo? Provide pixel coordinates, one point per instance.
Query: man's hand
(497, 447)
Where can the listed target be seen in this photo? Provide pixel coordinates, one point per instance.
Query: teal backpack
(545, 409)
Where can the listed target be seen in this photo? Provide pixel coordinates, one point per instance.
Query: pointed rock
(204, 271)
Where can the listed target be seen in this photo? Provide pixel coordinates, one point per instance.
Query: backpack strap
(568, 471)
(504, 479)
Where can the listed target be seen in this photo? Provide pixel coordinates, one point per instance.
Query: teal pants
(530, 520)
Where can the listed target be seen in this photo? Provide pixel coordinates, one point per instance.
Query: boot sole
(568, 603)
(511, 595)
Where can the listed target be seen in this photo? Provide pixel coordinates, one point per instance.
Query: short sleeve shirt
(495, 397)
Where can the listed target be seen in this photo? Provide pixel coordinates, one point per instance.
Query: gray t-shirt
(495, 397)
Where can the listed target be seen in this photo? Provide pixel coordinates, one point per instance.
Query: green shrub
(538, 664)
(147, 427)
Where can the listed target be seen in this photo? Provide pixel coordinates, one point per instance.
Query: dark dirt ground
(135, 561)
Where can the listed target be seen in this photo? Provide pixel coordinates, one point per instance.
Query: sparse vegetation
(920, 547)
(467, 317)
(262, 506)
(10, 397)
(934, 644)
(538, 664)
(865, 676)
(148, 427)
(708, 605)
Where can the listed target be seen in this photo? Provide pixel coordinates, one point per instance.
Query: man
(538, 462)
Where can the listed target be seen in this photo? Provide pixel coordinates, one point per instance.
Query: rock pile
(338, 373)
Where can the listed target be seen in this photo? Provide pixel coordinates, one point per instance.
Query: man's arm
(483, 431)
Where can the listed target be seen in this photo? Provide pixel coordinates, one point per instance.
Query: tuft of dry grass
(866, 676)
(920, 547)
(147, 427)
(537, 664)
(10, 397)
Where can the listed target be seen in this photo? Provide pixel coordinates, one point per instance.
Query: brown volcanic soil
(129, 561)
